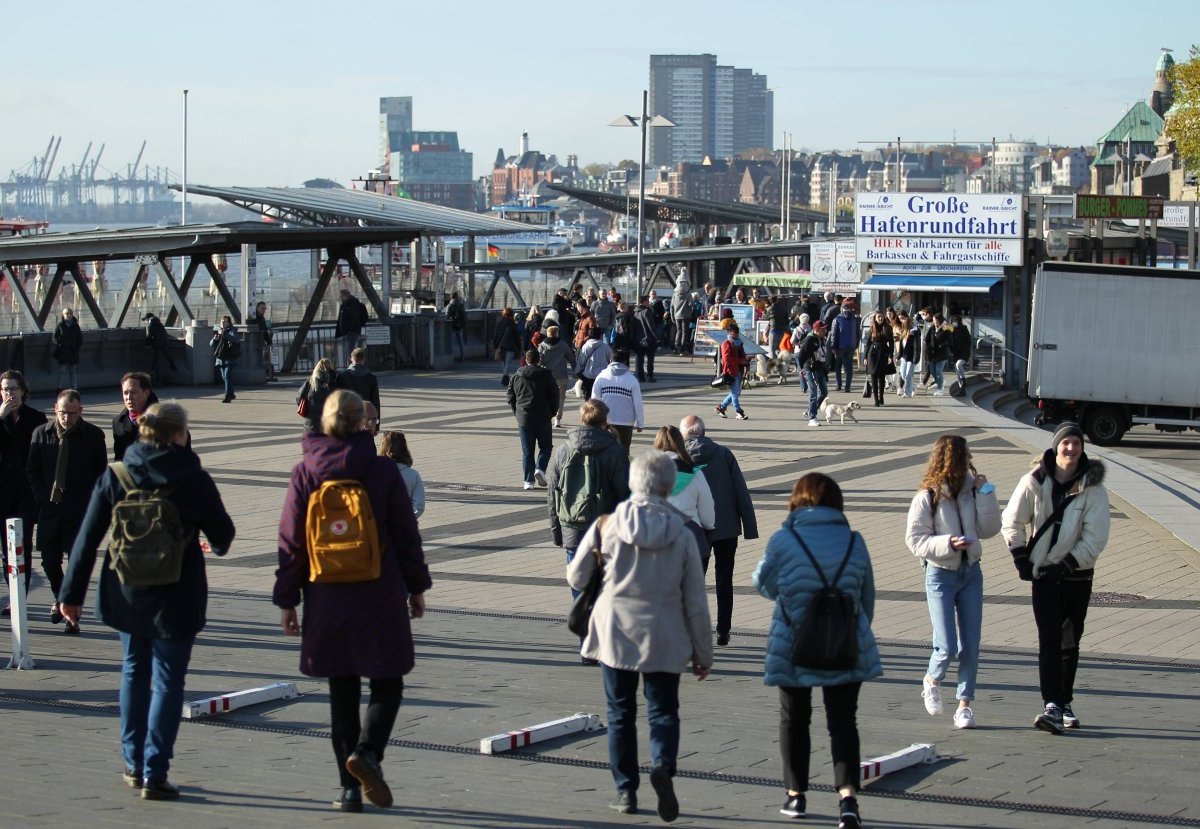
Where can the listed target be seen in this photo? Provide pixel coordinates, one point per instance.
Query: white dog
(840, 410)
(764, 367)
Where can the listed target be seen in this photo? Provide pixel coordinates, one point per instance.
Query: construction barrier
(18, 613)
(539, 733)
(240, 699)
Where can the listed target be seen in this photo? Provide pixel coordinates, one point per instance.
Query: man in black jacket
(358, 378)
(533, 397)
(735, 512)
(158, 341)
(18, 420)
(66, 458)
(259, 320)
(352, 316)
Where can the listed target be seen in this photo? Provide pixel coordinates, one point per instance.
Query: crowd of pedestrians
(649, 520)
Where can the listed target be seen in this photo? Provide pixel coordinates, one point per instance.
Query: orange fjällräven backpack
(343, 540)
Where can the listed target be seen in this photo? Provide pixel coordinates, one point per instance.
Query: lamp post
(644, 122)
(183, 207)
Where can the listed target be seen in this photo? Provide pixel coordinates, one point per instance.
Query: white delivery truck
(1111, 347)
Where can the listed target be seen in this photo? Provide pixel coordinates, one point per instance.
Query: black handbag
(581, 609)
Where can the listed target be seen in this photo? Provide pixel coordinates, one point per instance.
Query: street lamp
(644, 122)
(183, 206)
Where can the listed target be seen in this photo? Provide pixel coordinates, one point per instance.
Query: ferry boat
(22, 227)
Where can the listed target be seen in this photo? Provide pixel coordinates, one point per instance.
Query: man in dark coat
(66, 458)
(735, 512)
(592, 438)
(68, 342)
(159, 342)
(18, 420)
(645, 338)
(533, 398)
(259, 320)
(137, 395)
(358, 378)
(352, 316)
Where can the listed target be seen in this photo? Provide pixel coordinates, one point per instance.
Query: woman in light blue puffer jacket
(786, 576)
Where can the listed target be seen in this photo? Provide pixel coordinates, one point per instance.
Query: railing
(996, 367)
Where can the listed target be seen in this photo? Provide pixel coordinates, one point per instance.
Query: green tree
(596, 170)
(1183, 121)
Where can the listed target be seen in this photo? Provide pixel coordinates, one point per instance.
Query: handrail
(993, 343)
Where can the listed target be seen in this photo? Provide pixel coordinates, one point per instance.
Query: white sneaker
(558, 423)
(527, 485)
(939, 393)
(964, 718)
(539, 477)
(932, 694)
(814, 422)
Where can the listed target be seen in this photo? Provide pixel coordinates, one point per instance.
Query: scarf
(59, 487)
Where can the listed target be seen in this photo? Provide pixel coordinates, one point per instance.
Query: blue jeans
(152, 701)
(735, 391)
(458, 337)
(227, 378)
(349, 342)
(508, 358)
(800, 373)
(818, 390)
(662, 710)
(541, 433)
(906, 377)
(844, 361)
(938, 367)
(955, 593)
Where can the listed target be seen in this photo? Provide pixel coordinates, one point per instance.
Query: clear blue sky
(285, 91)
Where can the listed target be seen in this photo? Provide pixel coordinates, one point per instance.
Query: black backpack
(826, 638)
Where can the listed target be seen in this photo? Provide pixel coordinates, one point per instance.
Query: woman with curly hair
(954, 508)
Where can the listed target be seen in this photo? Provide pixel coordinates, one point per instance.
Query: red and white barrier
(915, 754)
(18, 615)
(241, 699)
(539, 733)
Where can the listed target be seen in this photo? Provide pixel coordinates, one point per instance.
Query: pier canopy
(689, 211)
(336, 207)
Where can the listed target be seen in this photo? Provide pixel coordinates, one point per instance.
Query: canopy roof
(336, 207)
(689, 211)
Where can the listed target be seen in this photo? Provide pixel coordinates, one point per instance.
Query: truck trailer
(1112, 347)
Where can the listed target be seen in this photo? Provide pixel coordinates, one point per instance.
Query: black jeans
(1059, 608)
(878, 383)
(795, 715)
(347, 731)
(645, 362)
(723, 550)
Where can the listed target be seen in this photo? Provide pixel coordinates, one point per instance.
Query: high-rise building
(719, 111)
(395, 116)
(425, 165)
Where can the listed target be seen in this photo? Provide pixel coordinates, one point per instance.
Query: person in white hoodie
(954, 508)
(691, 495)
(622, 393)
(1056, 525)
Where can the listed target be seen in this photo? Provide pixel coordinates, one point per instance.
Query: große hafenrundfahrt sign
(939, 228)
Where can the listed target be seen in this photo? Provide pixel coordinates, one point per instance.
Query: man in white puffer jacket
(1056, 525)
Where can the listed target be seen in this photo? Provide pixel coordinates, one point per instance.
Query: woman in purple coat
(354, 630)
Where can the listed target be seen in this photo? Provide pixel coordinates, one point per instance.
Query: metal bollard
(16, 592)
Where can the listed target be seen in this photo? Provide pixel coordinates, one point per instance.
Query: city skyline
(276, 104)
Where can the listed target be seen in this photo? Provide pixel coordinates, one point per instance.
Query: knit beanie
(1066, 430)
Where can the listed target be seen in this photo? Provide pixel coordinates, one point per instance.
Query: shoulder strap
(123, 477)
(596, 548)
(841, 568)
(1054, 518)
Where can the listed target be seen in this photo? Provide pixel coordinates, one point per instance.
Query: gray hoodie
(557, 357)
(652, 613)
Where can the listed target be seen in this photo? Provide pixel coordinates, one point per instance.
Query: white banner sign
(924, 251)
(823, 266)
(848, 269)
(982, 216)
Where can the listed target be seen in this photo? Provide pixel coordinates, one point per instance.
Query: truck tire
(1105, 425)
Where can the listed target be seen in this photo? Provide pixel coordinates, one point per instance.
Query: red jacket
(733, 357)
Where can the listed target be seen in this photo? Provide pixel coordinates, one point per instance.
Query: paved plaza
(494, 654)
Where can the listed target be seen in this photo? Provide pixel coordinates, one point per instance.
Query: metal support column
(20, 296)
(310, 313)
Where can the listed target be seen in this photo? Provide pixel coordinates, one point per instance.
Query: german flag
(493, 250)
